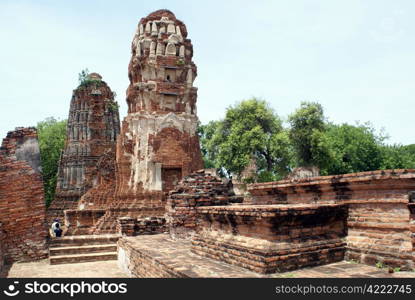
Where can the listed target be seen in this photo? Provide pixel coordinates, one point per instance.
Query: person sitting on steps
(56, 230)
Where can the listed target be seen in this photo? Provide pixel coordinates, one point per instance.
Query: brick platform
(272, 238)
(158, 256)
(139, 257)
(379, 219)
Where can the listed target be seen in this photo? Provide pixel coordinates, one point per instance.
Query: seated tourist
(56, 230)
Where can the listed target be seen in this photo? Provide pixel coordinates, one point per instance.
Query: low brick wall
(195, 190)
(378, 224)
(272, 238)
(128, 226)
(80, 222)
(143, 264)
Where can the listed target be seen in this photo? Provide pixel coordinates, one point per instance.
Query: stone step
(82, 240)
(78, 258)
(68, 250)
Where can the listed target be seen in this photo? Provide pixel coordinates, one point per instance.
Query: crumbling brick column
(22, 204)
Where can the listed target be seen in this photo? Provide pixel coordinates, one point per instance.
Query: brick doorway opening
(170, 177)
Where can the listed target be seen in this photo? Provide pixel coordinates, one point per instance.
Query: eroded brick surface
(22, 205)
(138, 257)
(158, 144)
(378, 224)
(93, 126)
(2, 246)
(195, 190)
(272, 238)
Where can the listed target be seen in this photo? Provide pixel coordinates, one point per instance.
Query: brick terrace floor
(181, 257)
(42, 269)
(176, 255)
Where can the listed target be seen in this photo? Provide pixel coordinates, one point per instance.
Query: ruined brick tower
(158, 144)
(92, 129)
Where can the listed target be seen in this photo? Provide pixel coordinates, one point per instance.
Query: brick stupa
(158, 143)
(92, 129)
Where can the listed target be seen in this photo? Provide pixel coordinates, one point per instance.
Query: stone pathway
(344, 269)
(42, 269)
(110, 269)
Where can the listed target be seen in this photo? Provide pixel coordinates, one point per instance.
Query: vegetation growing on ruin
(85, 81)
(113, 106)
(51, 133)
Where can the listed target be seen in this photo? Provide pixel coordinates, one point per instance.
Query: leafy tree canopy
(251, 130)
(51, 133)
(306, 134)
(351, 149)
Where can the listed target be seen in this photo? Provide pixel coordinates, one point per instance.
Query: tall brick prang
(93, 126)
(158, 143)
(22, 205)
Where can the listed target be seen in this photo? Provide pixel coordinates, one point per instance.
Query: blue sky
(354, 57)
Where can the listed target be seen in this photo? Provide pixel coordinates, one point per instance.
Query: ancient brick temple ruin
(92, 129)
(158, 143)
(22, 207)
(139, 194)
(172, 219)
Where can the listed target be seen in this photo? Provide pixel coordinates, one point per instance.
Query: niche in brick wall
(170, 177)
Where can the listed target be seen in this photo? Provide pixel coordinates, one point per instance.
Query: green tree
(250, 130)
(397, 157)
(307, 135)
(352, 149)
(410, 149)
(51, 133)
(206, 133)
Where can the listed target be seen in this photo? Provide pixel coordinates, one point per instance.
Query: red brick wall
(22, 205)
(2, 246)
(378, 223)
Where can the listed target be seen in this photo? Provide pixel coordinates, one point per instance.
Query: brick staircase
(83, 248)
(108, 223)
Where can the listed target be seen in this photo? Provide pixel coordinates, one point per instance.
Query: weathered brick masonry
(158, 144)
(22, 205)
(195, 190)
(368, 217)
(146, 226)
(378, 222)
(93, 204)
(93, 126)
(2, 247)
(272, 238)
